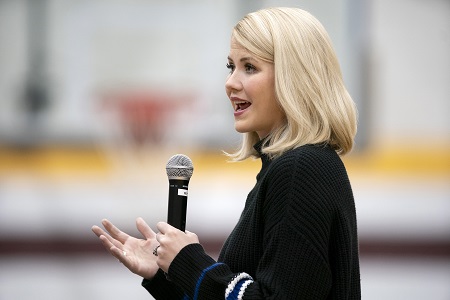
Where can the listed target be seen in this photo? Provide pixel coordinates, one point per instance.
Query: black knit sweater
(296, 237)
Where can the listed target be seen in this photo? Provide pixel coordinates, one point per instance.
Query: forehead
(237, 50)
(235, 44)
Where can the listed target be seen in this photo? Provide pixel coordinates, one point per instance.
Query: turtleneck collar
(258, 147)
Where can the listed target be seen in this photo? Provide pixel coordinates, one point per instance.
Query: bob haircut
(308, 82)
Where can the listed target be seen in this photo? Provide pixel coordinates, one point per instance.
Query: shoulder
(310, 173)
(305, 187)
(308, 158)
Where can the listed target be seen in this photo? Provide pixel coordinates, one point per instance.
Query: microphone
(179, 170)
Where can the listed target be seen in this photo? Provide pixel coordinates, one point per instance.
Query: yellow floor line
(60, 161)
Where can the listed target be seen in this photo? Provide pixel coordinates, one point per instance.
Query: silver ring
(124, 253)
(155, 251)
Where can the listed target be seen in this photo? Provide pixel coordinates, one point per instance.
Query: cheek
(270, 98)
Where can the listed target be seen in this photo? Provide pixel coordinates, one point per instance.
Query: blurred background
(96, 95)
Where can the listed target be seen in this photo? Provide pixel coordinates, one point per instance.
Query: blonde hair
(308, 82)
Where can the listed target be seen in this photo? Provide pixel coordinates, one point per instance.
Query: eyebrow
(247, 58)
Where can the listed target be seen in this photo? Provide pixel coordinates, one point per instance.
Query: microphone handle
(176, 212)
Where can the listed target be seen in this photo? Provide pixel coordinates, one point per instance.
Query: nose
(233, 83)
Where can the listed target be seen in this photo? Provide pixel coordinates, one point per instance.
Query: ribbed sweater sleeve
(195, 273)
(161, 288)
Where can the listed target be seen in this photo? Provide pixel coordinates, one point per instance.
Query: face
(250, 86)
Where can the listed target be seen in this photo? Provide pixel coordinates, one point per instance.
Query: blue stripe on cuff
(200, 279)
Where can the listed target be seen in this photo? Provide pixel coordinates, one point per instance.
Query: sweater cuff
(160, 288)
(155, 281)
(188, 266)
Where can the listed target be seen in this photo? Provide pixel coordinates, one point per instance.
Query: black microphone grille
(179, 166)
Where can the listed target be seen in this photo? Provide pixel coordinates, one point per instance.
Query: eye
(230, 67)
(249, 68)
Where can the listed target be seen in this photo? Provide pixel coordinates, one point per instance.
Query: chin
(241, 129)
(243, 126)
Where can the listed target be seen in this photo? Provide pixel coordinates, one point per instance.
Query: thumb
(192, 236)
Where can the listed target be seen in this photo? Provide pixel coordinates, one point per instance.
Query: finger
(106, 242)
(97, 230)
(192, 237)
(109, 242)
(144, 229)
(120, 255)
(100, 232)
(163, 227)
(189, 233)
(114, 231)
(103, 236)
(158, 237)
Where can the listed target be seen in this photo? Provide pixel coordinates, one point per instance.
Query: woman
(296, 237)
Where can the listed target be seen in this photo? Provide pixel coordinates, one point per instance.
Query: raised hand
(133, 253)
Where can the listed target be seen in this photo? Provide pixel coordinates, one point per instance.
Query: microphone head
(179, 166)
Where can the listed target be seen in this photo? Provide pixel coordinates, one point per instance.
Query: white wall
(411, 71)
(94, 46)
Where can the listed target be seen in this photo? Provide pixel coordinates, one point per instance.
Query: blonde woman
(297, 235)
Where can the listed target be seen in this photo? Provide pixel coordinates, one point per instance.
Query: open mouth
(241, 105)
